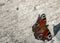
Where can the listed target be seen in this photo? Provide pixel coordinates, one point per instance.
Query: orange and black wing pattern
(40, 29)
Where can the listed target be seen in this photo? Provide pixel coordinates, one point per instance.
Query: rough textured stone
(18, 16)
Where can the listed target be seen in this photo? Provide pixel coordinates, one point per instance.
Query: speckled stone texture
(18, 16)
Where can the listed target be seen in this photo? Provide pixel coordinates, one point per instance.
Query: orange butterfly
(40, 29)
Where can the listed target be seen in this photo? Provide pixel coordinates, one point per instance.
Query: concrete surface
(18, 16)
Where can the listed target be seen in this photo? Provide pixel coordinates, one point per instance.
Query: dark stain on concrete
(2, 4)
(17, 8)
(6, 42)
(35, 8)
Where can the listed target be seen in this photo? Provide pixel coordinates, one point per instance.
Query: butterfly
(40, 29)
